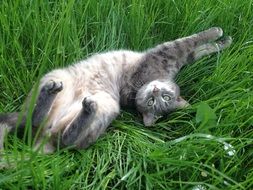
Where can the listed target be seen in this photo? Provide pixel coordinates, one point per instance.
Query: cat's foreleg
(202, 37)
(208, 35)
(173, 55)
(210, 48)
(188, 43)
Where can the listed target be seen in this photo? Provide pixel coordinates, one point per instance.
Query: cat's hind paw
(89, 105)
(53, 87)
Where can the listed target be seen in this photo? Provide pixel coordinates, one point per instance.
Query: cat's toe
(89, 105)
(224, 42)
(215, 32)
(227, 41)
(53, 87)
(219, 31)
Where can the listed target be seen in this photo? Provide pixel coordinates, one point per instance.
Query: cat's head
(158, 98)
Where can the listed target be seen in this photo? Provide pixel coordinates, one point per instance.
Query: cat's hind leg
(82, 120)
(9, 121)
(43, 105)
(44, 101)
(91, 123)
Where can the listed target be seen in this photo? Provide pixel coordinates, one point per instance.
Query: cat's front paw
(218, 31)
(224, 42)
(214, 33)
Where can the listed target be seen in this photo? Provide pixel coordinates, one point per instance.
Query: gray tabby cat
(79, 102)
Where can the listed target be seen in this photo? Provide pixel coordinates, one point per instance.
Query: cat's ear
(181, 103)
(148, 119)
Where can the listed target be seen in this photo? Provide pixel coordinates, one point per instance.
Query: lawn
(206, 146)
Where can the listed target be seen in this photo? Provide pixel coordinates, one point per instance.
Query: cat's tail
(8, 122)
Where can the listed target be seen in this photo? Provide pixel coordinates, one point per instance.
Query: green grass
(184, 150)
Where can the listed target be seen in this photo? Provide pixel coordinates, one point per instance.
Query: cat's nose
(156, 90)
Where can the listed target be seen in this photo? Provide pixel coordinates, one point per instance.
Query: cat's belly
(65, 108)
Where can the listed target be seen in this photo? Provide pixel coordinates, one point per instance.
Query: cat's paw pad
(226, 41)
(53, 87)
(89, 105)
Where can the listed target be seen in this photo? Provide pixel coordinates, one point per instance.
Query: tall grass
(207, 146)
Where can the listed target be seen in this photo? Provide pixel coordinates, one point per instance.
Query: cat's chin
(149, 124)
(150, 119)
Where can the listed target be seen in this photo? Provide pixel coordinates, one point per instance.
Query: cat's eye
(150, 102)
(166, 97)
